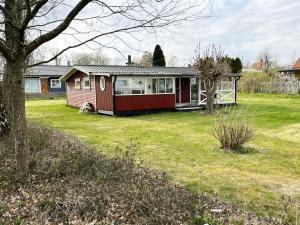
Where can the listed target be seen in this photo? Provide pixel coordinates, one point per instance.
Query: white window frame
(84, 86)
(77, 80)
(53, 86)
(145, 83)
(102, 83)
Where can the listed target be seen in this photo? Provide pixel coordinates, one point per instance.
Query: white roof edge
(99, 74)
(68, 74)
(72, 71)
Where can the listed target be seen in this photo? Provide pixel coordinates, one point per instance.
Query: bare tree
(211, 66)
(25, 25)
(172, 61)
(98, 58)
(266, 59)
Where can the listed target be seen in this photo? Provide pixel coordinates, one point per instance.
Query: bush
(233, 129)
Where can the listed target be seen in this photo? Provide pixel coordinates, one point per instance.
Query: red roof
(297, 64)
(258, 65)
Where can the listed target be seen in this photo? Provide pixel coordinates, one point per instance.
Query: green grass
(182, 145)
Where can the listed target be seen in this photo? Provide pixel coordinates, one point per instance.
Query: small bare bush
(233, 129)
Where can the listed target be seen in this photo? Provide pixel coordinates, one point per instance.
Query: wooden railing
(222, 97)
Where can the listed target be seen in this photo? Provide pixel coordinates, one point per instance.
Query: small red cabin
(117, 90)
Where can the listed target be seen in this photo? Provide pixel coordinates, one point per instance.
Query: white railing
(222, 97)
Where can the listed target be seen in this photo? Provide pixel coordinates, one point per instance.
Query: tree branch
(91, 40)
(6, 52)
(59, 29)
(30, 14)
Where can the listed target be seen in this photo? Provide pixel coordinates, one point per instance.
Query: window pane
(169, 85)
(32, 85)
(87, 83)
(154, 86)
(55, 83)
(123, 86)
(138, 86)
(194, 89)
(122, 83)
(162, 85)
(77, 84)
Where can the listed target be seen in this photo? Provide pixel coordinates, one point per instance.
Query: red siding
(144, 102)
(78, 97)
(104, 98)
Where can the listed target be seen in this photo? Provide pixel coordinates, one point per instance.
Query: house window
(141, 85)
(162, 85)
(154, 85)
(123, 86)
(55, 83)
(102, 83)
(32, 85)
(138, 86)
(86, 83)
(169, 85)
(77, 84)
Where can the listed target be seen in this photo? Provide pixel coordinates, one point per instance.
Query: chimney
(69, 63)
(129, 62)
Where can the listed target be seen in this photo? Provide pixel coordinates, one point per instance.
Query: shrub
(233, 129)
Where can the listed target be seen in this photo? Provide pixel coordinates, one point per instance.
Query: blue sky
(242, 28)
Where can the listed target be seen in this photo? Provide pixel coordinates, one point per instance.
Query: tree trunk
(210, 86)
(13, 92)
(14, 98)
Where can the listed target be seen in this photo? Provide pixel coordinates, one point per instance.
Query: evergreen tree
(237, 65)
(158, 57)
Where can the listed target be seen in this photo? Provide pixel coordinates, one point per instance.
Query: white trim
(146, 79)
(100, 111)
(99, 74)
(53, 87)
(84, 80)
(102, 87)
(199, 93)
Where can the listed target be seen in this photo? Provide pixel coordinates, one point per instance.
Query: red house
(117, 90)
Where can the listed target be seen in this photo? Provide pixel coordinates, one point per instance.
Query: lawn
(182, 144)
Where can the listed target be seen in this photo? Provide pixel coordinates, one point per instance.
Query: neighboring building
(259, 66)
(44, 79)
(117, 90)
(293, 72)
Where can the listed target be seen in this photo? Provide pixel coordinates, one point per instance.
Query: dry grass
(70, 183)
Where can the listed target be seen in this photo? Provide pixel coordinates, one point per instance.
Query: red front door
(185, 90)
(177, 90)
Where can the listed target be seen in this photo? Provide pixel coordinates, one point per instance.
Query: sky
(242, 28)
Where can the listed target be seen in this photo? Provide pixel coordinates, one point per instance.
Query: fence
(282, 87)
